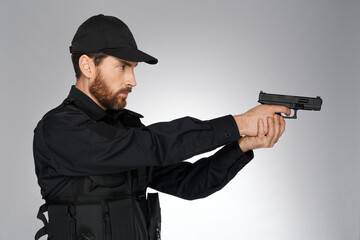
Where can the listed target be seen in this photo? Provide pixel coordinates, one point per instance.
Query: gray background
(214, 58)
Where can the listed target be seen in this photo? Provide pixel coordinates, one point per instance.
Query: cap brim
(133, 55)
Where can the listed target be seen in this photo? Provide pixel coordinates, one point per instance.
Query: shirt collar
(85, 103)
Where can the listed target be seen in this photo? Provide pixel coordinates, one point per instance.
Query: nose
(130, 79)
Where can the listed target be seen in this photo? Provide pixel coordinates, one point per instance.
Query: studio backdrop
(214, 59)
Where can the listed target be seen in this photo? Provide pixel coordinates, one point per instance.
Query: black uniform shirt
(70, 143)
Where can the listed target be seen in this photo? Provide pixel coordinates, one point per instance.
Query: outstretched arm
(202, 178)
(208, 175)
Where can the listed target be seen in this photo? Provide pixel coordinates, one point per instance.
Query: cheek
(115, 80)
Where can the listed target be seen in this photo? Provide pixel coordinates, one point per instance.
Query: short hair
(97, 57)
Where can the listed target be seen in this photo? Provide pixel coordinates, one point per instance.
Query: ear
(87, 66)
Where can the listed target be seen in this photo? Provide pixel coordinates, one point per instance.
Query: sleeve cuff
(235, 156)
(225, 129)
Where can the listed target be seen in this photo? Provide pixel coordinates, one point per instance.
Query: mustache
(124, 90)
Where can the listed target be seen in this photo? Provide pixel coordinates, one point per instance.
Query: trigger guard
(294, 116)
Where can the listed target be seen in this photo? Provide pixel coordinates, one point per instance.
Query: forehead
(115, 60)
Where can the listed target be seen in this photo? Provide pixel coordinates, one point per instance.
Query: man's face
(113, 81)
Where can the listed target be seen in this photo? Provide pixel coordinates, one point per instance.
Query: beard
(107, 98)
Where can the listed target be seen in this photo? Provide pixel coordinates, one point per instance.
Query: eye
(122, 67)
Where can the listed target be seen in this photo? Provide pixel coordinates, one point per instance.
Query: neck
(83, 85)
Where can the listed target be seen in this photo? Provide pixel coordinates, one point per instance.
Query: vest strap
(45, 229)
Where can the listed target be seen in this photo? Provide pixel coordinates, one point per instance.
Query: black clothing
(70, 143)
(83, 153)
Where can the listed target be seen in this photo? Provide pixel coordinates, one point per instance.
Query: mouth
(124, 94)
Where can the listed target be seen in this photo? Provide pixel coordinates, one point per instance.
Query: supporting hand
(265, 138)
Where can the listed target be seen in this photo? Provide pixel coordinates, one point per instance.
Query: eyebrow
(128, 64)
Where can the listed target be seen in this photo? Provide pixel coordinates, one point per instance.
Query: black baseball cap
(109, 35)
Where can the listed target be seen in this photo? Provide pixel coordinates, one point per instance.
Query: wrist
(242, 145)
(240, 124)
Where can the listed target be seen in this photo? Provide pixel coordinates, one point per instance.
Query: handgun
(293, 102)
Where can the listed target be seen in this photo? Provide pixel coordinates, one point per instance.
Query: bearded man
(95, 160)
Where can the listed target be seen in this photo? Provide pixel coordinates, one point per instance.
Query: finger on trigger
(287, 111)
(282, 109)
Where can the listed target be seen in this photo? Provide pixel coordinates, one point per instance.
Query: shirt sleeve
(76, 145)
(202, 178)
